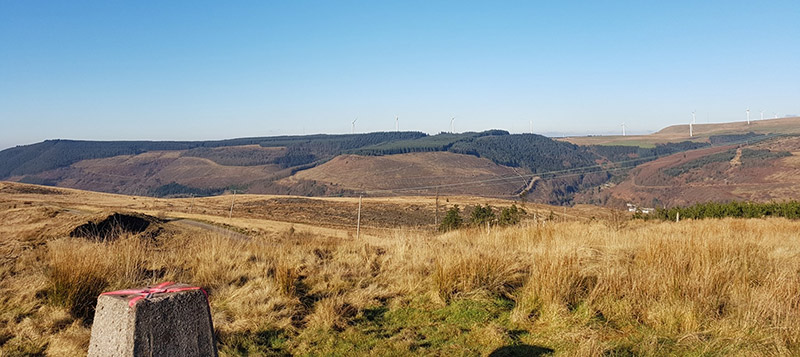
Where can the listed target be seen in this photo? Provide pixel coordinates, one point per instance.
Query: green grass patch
(420, 327)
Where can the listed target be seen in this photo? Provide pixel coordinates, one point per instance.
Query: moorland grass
(721, 287)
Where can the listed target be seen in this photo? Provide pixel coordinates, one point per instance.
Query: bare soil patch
(116, 225)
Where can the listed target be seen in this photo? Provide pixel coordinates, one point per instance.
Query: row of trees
(175, 189)
(634, 155)
(480, 216)
(789, 209)
(737, 138)
(440, 142)
(243, 156)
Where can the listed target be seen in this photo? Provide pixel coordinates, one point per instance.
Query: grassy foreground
(714, 287)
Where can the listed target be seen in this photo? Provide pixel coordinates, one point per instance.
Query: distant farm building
(634, 208)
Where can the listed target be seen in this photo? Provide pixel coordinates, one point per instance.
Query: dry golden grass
(715, 287)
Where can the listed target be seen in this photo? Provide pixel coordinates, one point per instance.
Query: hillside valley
(731, 161)
(760, 172)
(492, 163)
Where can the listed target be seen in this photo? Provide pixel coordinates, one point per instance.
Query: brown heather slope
(677, 133)
(758, 180)
(139, 174)
(343, 175)
(405, 172)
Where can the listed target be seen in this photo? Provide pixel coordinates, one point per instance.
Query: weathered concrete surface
(112, 331)
(164, 324)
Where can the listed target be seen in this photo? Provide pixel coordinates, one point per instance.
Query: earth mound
(115, 225)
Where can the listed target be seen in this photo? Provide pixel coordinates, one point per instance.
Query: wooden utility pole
(436, 217)
(230, 214)
(191, 205)
(358, 222)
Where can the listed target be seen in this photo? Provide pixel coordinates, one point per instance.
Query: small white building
(634, 208)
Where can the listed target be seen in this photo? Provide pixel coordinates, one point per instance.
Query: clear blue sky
(188, 70)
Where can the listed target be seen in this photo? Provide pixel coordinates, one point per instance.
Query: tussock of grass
(331, 313)
(470, 273)
(286, 278)
(77, 274)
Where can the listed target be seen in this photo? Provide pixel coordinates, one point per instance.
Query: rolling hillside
(702, 132)
(405, 172)
(278, 165)
(762, 172)
(490, 163)
(300, 150)
(143, 173)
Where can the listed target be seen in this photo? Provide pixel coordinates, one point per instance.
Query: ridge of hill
(53, 154)
(702, 133)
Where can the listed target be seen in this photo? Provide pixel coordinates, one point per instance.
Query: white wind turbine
(691, 129)
(452, 125)
(396, 123)
(623, 129)
(748, 115)
(353, 129)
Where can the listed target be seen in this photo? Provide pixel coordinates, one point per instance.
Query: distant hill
(53, 154)
(768, 170)
(272, 164)
(702, 132)
(490, 163)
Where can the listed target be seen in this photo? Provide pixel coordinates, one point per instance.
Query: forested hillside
(559, 169)
(52, 154)
(630, 156)
(536, 153)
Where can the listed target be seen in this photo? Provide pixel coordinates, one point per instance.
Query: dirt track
(210, 228)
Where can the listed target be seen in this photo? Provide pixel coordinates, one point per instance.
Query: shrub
(511, 215)
(482, 215)
(452, 219)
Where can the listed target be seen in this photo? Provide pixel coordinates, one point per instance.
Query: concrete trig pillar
(163, 320)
